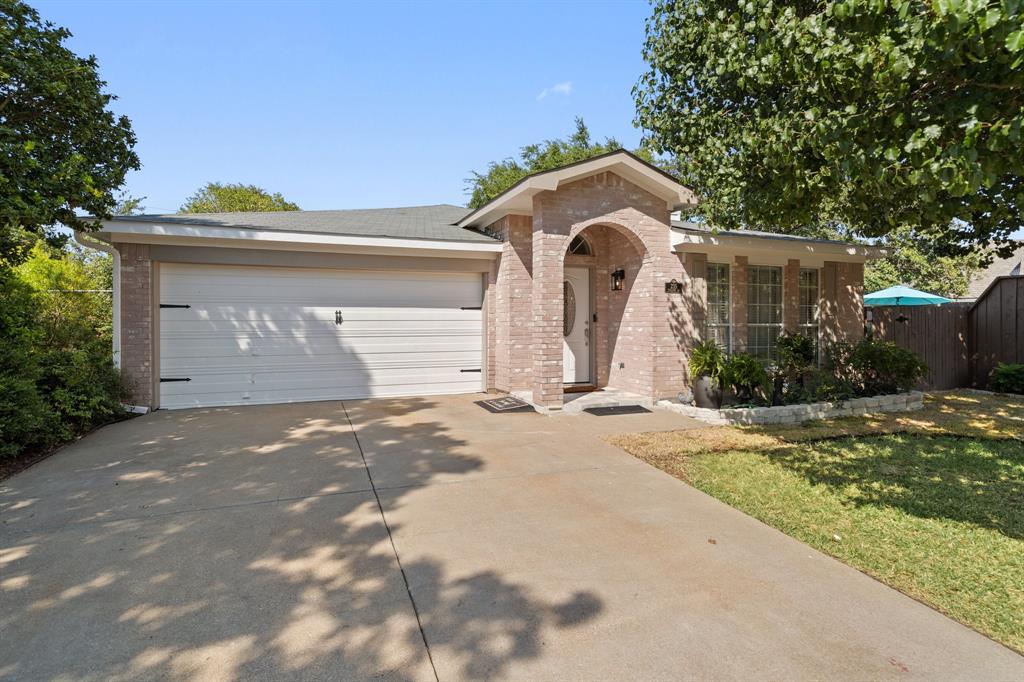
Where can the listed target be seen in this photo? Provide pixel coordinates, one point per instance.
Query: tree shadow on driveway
(240, 543)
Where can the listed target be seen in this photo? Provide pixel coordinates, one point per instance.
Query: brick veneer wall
(791, 296)
(511, 315)
(137, 321)
(642, 219)
(842, 304)
(738, 287)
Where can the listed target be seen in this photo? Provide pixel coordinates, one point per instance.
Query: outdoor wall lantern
(618, 279)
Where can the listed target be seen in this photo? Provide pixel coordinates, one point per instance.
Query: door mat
(616, 409)
(506, 403)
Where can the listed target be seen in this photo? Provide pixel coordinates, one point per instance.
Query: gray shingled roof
(688, 226)
(413, 222)
(1013, 265)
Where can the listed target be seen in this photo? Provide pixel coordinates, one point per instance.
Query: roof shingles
(413, 222)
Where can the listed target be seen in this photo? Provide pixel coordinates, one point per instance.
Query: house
(1000, 267)
(574, 278)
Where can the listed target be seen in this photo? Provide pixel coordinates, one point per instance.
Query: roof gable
(519, 197)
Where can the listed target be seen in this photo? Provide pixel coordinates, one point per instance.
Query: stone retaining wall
(794, 414)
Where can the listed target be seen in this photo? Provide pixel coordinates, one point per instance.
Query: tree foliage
(917, 263)
(533, 158)
(879, 115)
(56, 373)
(215, 197)
(62, 150)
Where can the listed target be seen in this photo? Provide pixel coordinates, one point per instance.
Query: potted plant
(706, 363)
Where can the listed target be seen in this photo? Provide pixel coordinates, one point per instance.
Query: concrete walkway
(424, 538)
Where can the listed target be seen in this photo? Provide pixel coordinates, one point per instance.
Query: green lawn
(935, 513)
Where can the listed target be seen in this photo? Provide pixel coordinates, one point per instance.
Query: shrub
(56, 373)
(872, 367)
(707, 360)
(796, 360)
(1007, 377)
(746, 376)
(24, 415)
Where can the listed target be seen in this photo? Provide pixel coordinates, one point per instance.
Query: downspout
(93, 243)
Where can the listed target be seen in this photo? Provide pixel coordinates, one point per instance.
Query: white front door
(576, 326)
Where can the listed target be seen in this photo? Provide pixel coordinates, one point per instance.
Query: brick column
(137, 321)
(513, 312)
(738, 279)
(548, 275)
(696, 265)
(842, 302)
(791, 296)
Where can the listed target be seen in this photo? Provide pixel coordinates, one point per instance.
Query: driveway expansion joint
(394, 548)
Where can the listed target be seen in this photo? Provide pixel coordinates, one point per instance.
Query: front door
(576, 326)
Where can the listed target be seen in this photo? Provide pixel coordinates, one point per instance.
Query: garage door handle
(338, 319)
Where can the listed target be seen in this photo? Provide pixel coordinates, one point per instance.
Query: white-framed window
(810, 293)
(719, 317)
(764, 310)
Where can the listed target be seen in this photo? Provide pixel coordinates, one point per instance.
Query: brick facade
(791, 296)
(842, 301)
(738, 288)
(509, 347)
(641, 349)
(137, 321)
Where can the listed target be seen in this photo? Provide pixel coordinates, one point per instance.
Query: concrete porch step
(575, 403)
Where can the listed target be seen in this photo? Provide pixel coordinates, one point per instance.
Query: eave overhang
(518, 199)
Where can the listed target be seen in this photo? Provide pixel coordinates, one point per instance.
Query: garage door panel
(196, 367)
(264, 335)
(315, 316)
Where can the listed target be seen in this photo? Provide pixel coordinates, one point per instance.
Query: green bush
(871, 367)
(747, 377)
(789, 377)
(56, 374)
(24, 414)
(1007, 377)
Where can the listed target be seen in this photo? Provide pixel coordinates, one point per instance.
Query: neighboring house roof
(412, 222)
(519, 197)
(1013, 265)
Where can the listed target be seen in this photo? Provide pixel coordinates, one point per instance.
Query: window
(764, 310)
(717, 327)
(809, 304)
(580, 247)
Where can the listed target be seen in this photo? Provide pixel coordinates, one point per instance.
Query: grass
(931, 502)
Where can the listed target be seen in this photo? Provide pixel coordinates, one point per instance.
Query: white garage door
(233, 335)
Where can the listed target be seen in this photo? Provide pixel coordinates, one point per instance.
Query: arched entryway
(606, 311)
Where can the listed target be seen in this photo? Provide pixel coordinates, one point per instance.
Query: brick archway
(639, 223)
(622, 356)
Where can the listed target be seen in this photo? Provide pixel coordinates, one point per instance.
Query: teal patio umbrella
(903, 295)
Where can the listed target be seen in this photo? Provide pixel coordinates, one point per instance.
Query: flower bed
(793, 414)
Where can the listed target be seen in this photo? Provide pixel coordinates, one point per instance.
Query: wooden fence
(961, 342)
(997, 327)
(937, 333)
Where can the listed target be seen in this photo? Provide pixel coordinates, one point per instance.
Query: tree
(61, 148)
(917, 263)
(128, 205)
(534, 158)
(882, 116)
(216, 197)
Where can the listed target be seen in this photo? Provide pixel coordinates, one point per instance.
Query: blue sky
(344, 105)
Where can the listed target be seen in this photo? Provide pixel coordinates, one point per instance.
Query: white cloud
(557, 89)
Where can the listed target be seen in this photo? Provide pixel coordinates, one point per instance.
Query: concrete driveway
(422, 538)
